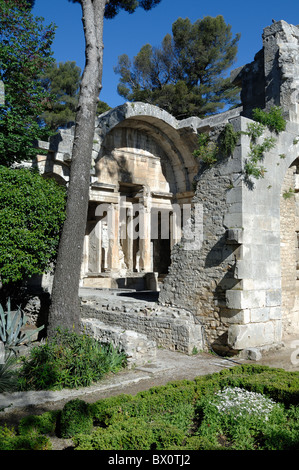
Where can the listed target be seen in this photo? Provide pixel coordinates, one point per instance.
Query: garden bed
(247, 407)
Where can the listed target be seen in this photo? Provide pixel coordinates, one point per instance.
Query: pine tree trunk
(65, 305)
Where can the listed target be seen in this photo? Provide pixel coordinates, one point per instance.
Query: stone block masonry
(243, 282)
(240, 282)
(138, 349)
(173, 329)
(199, 279)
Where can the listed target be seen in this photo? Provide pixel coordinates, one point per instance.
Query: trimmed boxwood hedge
(161, 417)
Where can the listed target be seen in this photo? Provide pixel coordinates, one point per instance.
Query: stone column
(84, 265)
(145, 252)
(113, 234)
(98, 234)
(130, 239)
(126, 233)
(175, 226)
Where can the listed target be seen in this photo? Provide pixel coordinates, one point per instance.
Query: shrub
(75, 419)
(11, 328)
(10, 440)
(182, 415)
(275, 122)
(207, 149)
(43, 424)
(278, 384)
(68, 360)
(172, 403)
(32, 211)
(273, 119)
(8, 374)
(132, 434)
(244, 420)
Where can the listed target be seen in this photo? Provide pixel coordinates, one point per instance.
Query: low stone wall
(173, 329)
(137, 347)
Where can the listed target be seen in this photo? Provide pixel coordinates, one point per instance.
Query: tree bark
(65, 304)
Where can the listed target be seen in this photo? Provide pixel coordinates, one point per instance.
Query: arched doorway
(143, 178)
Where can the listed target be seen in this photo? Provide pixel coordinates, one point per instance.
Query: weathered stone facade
(238, 277)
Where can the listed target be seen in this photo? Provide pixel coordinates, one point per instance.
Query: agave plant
(11, 324)
(8, 374)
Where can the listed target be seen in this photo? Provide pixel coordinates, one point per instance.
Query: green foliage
(288, 194)
(11, 324)
(162, 414)
(62, 81)
(75, 419)
(275, 122)
(274, 119)
(68, 360)
(114, 6)
(30, 3)
(247, 407)
(8, 374)
(207, 149)
(45, 423)
(257, 150)
(228, 140)
(102, 107)
(25, 52)
(132, 434)
(243, 420)
(10, 440)
(32, 212)
(255, 130)
(186, 74)
(256, 155)
(172, 404)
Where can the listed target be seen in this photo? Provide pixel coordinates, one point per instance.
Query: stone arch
(141, 156)
(162, 127)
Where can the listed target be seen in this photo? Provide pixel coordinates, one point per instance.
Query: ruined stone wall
(234, 282)
(239, 278)
(198, 278)
(171, 328)
(257, 293)
(288, 246)
(272, 78)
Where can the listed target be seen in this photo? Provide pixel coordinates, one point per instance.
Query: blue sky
(128, 33)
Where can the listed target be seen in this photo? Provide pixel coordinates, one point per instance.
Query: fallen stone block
(137, 347)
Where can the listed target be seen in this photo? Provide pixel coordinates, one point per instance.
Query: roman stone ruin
(220, 248)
